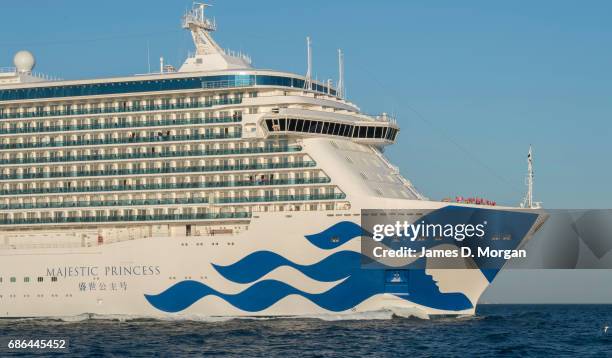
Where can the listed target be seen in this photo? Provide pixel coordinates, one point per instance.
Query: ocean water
(496, 330)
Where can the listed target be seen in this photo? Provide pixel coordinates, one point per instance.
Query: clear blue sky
(472, 83)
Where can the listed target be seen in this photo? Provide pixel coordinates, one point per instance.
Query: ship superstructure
(205, 144)
(172, 173)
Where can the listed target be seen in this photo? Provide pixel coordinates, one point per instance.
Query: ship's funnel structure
(209, 56)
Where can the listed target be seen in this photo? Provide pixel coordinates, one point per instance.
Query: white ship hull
(136, 277)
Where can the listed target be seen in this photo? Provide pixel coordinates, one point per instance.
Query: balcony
(140, 155)
(161, 170)
(120, 109)
(164, 217)
(125, 218)
(162, 186)
(176, 201)
(144, 124)
(127, 140)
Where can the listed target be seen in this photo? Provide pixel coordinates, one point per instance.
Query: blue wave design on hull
(264, 294)
(357, 287)
(348, 294)
(260, 263)
(360, 283)
(343, 231)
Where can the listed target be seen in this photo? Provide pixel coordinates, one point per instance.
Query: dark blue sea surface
(496, 330)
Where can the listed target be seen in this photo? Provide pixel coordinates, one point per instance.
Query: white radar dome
(24, 61)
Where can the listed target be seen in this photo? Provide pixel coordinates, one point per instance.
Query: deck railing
(228, 184)
(160, 170)
(119, 125)
(121, 109)
(141, 155)
(165, 217)
(127, 140)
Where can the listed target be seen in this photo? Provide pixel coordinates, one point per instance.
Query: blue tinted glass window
(169, 84)
(273, 81)
(379, 131)
(297, 83)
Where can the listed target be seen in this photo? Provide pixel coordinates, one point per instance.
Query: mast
(528, 199)
(340, 87)
(308, 81)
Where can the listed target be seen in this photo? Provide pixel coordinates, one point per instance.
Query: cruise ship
(211, 190)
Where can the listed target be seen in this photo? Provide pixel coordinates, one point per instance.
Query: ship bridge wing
(379, 130)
